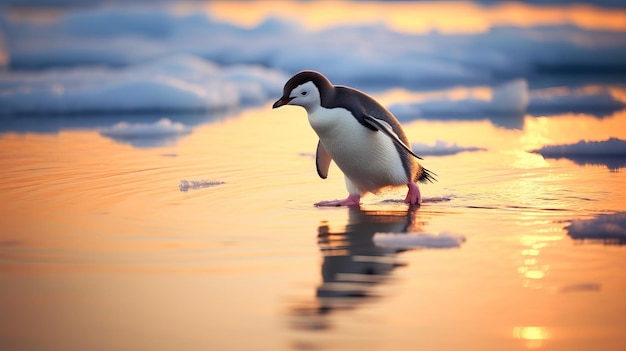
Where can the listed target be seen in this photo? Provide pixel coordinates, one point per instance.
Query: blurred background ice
(169, 58)
(75, 56)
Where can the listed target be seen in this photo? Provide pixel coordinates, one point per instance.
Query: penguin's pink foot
(351, 200)
(413, 197)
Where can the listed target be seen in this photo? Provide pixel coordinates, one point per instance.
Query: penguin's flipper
(386, 128)
(322, 160)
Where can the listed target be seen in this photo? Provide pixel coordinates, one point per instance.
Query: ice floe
(186, 185)
(597, 101)
(442, 148)
(610, 147)
(146, 134)
(608, 228)
(510, 102)
(175, 83)
(610, 152)
(413, 240)
(505, 107)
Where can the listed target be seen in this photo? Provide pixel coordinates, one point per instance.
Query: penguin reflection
(353, 267)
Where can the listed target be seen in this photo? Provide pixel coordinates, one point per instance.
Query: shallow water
(101, 250)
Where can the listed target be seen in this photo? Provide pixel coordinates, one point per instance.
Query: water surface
(101, 250)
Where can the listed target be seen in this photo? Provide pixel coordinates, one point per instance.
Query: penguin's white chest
(369, 159)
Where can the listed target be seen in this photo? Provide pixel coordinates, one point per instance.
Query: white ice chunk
(411, 240)
(162, 128)
(442, 148)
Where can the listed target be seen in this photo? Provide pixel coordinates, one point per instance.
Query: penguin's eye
(303, 93)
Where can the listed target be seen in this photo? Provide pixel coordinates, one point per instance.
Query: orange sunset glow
(418, 17)
(155, 197)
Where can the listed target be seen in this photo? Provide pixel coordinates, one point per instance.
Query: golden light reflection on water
(418, 17)
(533, 335)
(533, 267)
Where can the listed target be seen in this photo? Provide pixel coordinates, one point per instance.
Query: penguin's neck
(327, 121)
(311, 109)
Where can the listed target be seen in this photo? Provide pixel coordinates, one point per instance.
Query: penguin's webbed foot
(413, 197)
(351, 200)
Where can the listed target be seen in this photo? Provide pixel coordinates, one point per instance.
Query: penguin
(361, 136)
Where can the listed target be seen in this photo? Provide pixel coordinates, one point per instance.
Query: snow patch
(412, 240)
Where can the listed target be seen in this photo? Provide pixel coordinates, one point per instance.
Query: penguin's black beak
(282, 101)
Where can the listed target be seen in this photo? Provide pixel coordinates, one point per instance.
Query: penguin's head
(306, 89)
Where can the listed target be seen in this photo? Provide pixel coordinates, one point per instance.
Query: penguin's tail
(426, 176)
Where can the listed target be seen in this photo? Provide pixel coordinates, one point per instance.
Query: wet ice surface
(97, 236)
